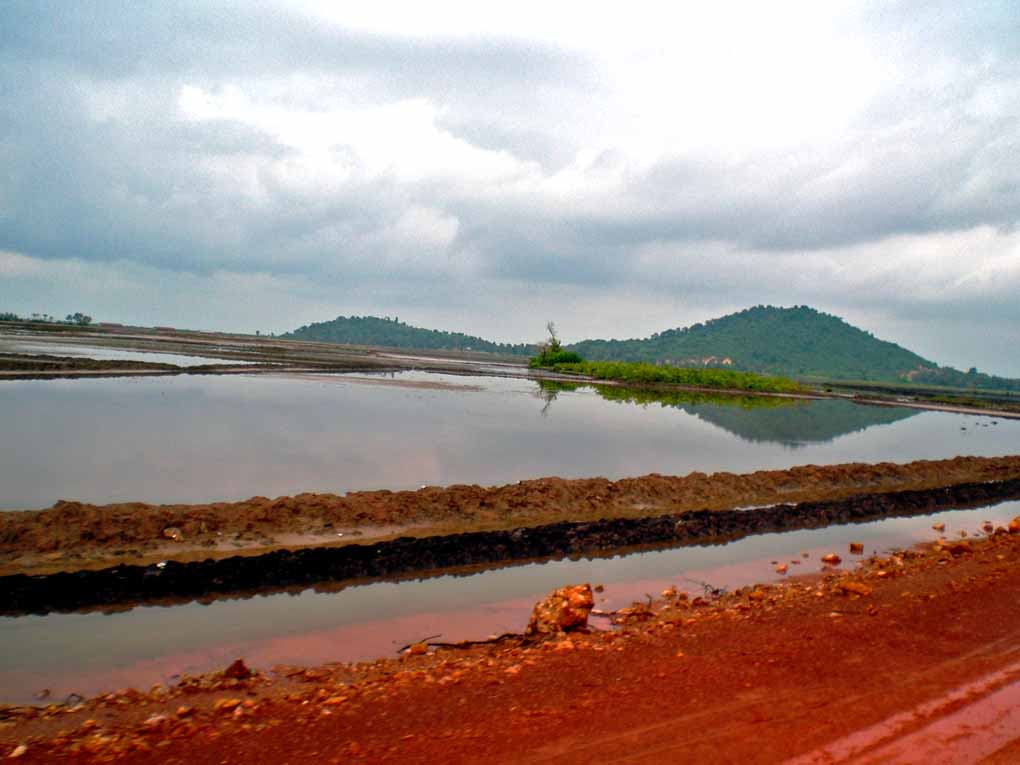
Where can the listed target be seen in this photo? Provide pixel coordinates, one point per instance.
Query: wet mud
(75, 536)
(285, 569)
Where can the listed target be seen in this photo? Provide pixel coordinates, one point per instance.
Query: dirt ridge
(74, 536)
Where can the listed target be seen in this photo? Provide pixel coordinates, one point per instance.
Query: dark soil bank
(407, 555)
(74, 535)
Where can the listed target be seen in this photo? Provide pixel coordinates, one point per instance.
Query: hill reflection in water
(756, 419)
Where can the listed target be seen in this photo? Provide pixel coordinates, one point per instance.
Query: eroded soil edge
(74, 536)
(285, 569)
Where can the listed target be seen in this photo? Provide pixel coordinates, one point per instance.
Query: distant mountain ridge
(372, 330)
(799, 341)
(796, 342)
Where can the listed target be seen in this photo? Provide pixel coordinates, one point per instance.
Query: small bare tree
(553, 343)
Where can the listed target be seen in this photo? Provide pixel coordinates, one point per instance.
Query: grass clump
(651, 374)
(550, 357)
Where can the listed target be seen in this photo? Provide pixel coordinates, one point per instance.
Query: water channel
(89, 653)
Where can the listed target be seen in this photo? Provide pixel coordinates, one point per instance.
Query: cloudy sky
(618, 168)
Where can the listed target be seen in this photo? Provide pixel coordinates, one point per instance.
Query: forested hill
(785, 341)
(371, 330)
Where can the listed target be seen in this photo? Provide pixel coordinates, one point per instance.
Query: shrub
(551, 357)
(623, 371)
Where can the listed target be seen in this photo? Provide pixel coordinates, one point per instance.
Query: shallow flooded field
(9, 344)
(201, 439)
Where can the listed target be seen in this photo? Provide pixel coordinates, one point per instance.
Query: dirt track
(71, 535)
(912, 659)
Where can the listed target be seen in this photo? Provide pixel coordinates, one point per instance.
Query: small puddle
(91, 653)
(960, 727)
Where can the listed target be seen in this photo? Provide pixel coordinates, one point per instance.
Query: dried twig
(416, 642)
(461, 643)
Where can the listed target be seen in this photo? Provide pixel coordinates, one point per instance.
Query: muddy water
(92, 653)
(201, 439)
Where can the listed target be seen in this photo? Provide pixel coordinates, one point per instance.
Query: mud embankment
(73, 536)
(407, 555)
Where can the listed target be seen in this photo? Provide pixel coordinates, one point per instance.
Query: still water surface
(91, 653)
(200, 439)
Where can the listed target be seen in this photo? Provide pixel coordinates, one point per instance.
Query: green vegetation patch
(642, 373)
(550, 357)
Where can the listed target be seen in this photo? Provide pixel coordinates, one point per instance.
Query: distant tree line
(79, 319)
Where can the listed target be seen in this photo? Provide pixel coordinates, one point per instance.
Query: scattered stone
(856, 548)
(635, 612)
(756, 596)
(669, 592)
(227, 705)
(781, 568)
(238, 670)
(19, 751)
(563, 610)
(854, 588)
(185, 711)
(939, 527)
(1014, 526)
(173, 533)
(832, 559)
(987, 527)
(954, 548)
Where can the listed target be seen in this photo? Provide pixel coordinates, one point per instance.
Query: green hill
(796, 341)
(371, 330)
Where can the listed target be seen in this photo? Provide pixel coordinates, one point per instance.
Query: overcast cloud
(618, 169)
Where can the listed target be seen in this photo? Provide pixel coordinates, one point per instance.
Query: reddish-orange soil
(910, 659)
(72, 535)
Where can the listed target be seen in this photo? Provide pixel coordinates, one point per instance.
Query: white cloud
(13, 265)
